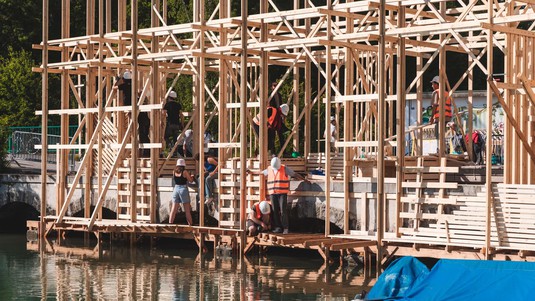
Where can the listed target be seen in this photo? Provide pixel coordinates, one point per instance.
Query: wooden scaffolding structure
(361, 52)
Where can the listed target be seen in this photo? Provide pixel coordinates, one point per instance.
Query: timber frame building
(359, 51)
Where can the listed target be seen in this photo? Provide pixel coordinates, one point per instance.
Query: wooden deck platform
(231, 237)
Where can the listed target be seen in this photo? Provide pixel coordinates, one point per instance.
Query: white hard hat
(285, 109)
(180, 162)
(276, 163)
(264, 207)
(188, 132)
(127, 75)
(435, 79)
(172, 94)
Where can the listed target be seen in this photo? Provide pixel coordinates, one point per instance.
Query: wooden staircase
(145, 192)
(229, 191)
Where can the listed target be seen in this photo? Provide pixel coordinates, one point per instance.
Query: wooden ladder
(229, 192)
(144, 193)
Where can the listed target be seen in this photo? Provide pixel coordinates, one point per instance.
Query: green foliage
(20, 90)
(3, 147)
(21, 25)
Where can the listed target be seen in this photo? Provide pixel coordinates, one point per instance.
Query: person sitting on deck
(210, 166)
(260, 218)
(181, 177)
(185, 142)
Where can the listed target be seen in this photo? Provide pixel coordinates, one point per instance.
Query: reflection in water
(68, 273)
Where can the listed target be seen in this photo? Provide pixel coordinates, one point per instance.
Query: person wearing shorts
(181, 177)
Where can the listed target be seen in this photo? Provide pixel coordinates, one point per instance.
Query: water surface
(174, 271)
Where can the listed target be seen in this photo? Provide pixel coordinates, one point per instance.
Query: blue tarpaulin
(452, 280)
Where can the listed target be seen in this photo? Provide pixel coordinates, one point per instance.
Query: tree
(20, 90)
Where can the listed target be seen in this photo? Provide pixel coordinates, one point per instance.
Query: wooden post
(348, 121)
(380, 136)
(200, 108)
(100, 99)
(488, 159)
(328, 95)
(64, 154)
(400, 120)
(243, 124)
(154, 120)
(133, 116)
(264, 95)
(44, 130)
(442, 87)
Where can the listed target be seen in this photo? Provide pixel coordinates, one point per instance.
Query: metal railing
(23, 147)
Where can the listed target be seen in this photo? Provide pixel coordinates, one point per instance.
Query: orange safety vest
(258, 213)
(271, 119)
(278, 182)
(447, 108)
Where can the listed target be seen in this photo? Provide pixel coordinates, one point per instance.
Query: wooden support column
(200, 109)
(348, 125)
(133, 116)
(63, 163)
(327, 122)
(90, 103)
(442, 87)
(197, 91)
(470, 104)
(100, 100)
(224, 87)
(44, 130)
(381, 137)
(243, 124)
(296, 79)
(307, 94)
(400, 118)
(154, 116)
(419, 103)
(488, 159)
(264, 96)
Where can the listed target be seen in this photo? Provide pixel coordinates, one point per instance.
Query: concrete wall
(27, 189)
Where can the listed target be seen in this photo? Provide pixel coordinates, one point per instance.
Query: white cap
(435, 79)
(172, 94)
(332, 118)
(276, 163)
(264, 207)
(188, 132)
(127, 75)
(285, 109)
(181, 162)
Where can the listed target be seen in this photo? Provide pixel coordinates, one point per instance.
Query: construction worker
(260, 218)
(436, 109)
(275, 125)
(172, 118)
(278, 186)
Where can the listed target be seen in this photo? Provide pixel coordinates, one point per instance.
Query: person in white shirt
(333, 135)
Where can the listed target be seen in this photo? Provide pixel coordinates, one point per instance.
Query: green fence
(54, 130)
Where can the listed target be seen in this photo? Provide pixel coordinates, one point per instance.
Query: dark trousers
(280, 206)
(171, 133)
(271, 139)
(477, 153)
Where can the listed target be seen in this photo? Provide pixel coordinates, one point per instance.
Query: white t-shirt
(333, 131)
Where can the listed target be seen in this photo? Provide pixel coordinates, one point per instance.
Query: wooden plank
(351, 245)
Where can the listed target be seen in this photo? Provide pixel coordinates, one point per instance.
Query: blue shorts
(181, 194)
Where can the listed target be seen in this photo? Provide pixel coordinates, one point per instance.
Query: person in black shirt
(174, 119)
(144, 126)
(124, 84)
(276, 101)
